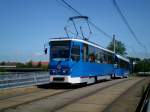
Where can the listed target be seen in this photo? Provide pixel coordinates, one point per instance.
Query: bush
(29, 64)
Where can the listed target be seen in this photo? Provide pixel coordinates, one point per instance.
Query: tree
(20, 65)
(119, 47)
(39, 64)
(29, 64)
(142, 66)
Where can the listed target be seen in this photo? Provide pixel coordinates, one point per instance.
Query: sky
(26, 25)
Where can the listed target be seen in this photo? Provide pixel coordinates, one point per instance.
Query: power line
(128, 25)
(100, 30)
(67, 6)
(78, 13)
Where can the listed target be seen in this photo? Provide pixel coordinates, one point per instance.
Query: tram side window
(121, 63)
(75, 53)
(91, 54)
(110, 58)
(85, 53)
(97, 56)
(105, 58)
(101, 56)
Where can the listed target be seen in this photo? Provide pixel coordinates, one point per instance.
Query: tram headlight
(64, 71)
(54, 71)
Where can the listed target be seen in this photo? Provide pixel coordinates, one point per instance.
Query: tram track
(64, 98)
(18, 94)
(129, 101)
(42, 94)
(26, 91)
(88, 94)
(97, 100)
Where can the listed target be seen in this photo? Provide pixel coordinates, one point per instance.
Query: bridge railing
(23, 79)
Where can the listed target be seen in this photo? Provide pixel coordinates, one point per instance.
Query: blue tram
(121, 67)
(80, 61)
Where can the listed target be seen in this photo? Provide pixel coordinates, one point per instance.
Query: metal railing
(24, 79)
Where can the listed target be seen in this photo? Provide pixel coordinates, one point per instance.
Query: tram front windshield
(60, 50)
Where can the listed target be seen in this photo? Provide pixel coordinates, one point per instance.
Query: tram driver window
(75, 53)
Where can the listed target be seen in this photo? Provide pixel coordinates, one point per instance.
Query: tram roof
(83, 41)
(123, 58)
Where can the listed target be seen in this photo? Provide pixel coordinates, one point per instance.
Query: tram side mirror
(45, 50)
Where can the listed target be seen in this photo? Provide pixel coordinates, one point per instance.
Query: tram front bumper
(64, 79)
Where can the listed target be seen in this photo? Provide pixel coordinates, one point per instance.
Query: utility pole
(114, 43)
